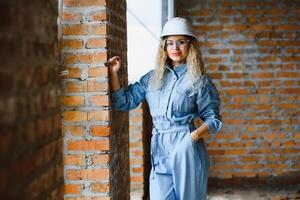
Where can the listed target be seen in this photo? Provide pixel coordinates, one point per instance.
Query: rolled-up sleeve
(208, 103)
(125, 100)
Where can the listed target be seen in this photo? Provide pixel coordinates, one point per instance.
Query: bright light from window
(143, 22)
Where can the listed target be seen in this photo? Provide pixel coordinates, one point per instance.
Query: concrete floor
(291, 193)
(251, 193)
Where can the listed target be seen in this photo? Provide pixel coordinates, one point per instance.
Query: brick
(226, 12)
(137, 187)
(249, 159)
(202, 13)
(87, 174)
(230, 84)
(208, 28)
(73, 72)
(99, 100)
(84, 29)
(99, 130)
(222, 159)
(80, 86)
(286, 28)
(75, 116)
(213, 152)
(288, 75)
(137, 111)
(136, 136)
(98, 72)
(71, 44)
(291, 59)
(287, 106)
(233, 144)
(240, 43)
(93, 145)
(287, 151)
(70, 16)
(135, 144)
(235, 151)
(136, 161)
(72, 188)
(236, 75)
(74, 159)
(98, 115)
(224, 167)
(232, 28)
(137, 153)
(288, 43)
(136, 119)
(74, 130)
(245, 174)
(214, 60)
(94, 43)
(80, 3)
(72, 100)
(96, 86)
(237, 92)
(266, 43)
(261, 151)
(216, 75)
(289, 144)
(138, 169)
(99, 16)
(277, 166)
(84, 58)
(251, 167)
(100, 187)
(251, 12)
(100, 159)
(136, 179)
(274, 158)
(272, 136)
(263, 75)
(261, 107)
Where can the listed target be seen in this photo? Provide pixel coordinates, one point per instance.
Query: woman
(177, 92)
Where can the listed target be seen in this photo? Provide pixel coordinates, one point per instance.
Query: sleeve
(208, 103)
(125, 100)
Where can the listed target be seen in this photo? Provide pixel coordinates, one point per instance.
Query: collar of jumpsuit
(179, 70)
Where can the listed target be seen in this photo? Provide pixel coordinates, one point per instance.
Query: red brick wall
(119, 140)
(31, 163)
(96, 137)
(251, 50)
(140, 128)
(136, 151)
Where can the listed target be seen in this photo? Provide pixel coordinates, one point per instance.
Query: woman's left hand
(194, 136)
(199, 133)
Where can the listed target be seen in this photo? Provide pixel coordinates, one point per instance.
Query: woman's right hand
(114, 64)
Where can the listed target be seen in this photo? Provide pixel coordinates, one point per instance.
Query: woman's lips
(176, 53)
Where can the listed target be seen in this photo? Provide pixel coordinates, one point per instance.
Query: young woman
(177, 92)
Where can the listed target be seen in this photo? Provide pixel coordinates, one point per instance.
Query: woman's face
(177, 47)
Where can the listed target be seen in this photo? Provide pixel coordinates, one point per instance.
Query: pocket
(184, 101)
(153, 98)
(190, 138)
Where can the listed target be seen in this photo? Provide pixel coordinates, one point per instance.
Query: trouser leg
(183, 175)
(161, 187)
(190, 170)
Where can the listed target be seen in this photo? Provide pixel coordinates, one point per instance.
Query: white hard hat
(178, 26)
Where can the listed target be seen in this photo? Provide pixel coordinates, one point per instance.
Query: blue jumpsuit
(180, 166)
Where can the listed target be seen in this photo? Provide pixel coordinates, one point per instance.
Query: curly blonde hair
(195, 67)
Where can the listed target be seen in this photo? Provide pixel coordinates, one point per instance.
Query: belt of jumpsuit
(179, 165)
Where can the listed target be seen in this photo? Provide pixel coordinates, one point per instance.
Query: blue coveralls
(179, 165)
